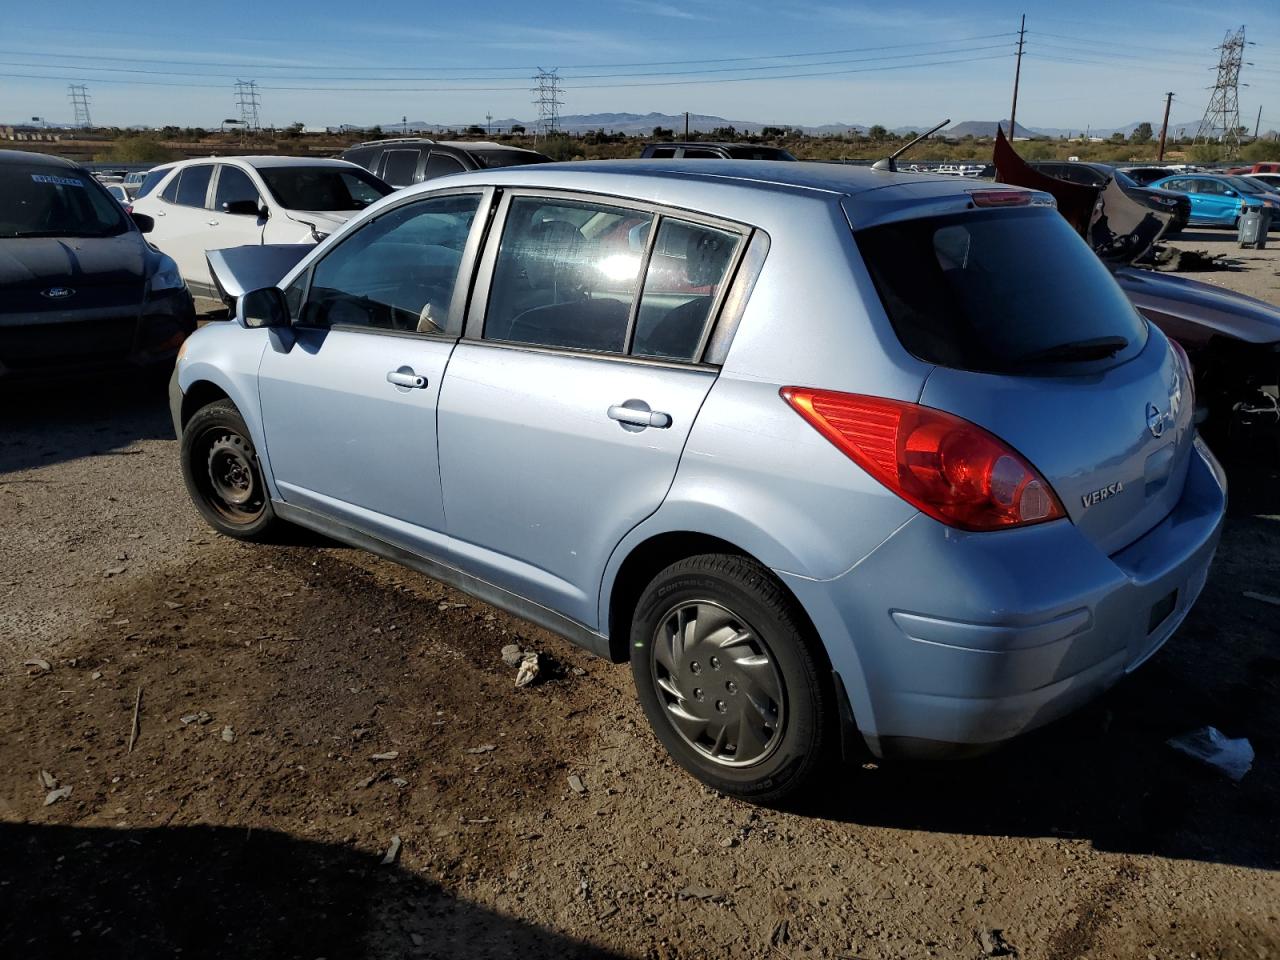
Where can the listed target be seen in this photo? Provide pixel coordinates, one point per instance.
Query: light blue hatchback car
(837, 458)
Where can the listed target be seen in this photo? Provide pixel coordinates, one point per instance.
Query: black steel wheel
(222, 473)
(730, 678)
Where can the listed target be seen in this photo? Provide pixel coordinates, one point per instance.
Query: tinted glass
(233, 184)
(566, 274)
(759, 153)
(37, 200)
(361, 155)
(1245, 185)
(690, 264)
(396, 273)
(698, 153)
(400, 166)
(662, 153)
(323, 188)
(170, 191)
(441, 165)
(1211, 187)
(507, 158)
(193, 187)
(990, 291)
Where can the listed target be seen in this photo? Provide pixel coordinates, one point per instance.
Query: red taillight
(1000, 198)
(949, 468)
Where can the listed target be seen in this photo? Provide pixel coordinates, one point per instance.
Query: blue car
(829, 454)
(1218, 199)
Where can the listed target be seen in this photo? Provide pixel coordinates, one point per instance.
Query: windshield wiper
(1098, 348)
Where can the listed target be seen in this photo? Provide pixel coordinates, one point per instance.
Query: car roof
(27, 156)
(258, 162)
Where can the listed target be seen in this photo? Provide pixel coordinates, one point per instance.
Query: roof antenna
(890, 162)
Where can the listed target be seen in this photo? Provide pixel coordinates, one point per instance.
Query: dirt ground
(253, 817)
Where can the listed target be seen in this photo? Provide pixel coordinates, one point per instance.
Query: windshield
(999, 291)
(39, 200)
(1245, 185)
(323, 188)
(507, 158)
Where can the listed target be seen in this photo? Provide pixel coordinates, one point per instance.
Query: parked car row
(954, 496)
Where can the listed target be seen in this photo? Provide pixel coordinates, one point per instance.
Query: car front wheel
(730, 679)
(222, 473)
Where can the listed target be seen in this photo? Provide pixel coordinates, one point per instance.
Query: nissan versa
(825, 452)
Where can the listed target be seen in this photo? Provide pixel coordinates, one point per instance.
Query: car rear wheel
(730, 679)
(222, 473)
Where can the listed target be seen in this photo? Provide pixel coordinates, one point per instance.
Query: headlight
(166, 276)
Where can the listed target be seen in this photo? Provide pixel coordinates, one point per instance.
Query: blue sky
(335, 61)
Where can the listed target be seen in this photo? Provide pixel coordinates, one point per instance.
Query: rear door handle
(405, 377)
(636, 413)
(212, 223)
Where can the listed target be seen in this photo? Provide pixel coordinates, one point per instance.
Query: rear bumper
(948, 641)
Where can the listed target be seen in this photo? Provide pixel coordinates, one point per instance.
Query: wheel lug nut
(731, 687)
(715, 663)
(720, 706)
(698, 694)
(695, 667)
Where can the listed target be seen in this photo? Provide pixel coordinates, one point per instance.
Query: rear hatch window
(1000, 291)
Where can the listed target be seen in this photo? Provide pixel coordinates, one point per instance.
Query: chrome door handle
(636, 413)
(405, 377)
(212, 223)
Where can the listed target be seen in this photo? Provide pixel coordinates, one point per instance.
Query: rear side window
(361, 155)
(698, 153)
(1002, 291)
(662, 153)
(399, 167)
(194, 185)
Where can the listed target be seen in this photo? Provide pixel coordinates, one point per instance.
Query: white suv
(212, 204)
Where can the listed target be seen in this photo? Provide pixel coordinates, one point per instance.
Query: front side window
(567, 274)
(323, 188)
(399, 167)
(193, 187)
(234, 184)
(397, 272)
(150, 181)
(690, 265)
(699, 153)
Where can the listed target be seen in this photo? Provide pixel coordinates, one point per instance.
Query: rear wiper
(1098, 348)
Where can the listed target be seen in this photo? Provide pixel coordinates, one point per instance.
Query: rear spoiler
(240, 270)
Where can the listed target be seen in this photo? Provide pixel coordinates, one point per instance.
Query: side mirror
(144, 223)
(262, 308)
(1232, 193)
(243, 208)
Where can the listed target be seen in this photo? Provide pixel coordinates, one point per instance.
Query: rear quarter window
(996, 291)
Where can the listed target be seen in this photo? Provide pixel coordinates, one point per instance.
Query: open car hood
(1193, 312)
(1118, 228)
(239, 270)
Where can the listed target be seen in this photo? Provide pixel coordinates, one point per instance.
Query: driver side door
(349, 398)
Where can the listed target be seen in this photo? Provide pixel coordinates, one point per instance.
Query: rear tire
(221, 470)
(730, 679)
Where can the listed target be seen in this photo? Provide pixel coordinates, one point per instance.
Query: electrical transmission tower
(79, 94)
(248, 100)
(547, 100)
(1222, 116)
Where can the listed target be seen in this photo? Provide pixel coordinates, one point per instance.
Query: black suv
(1097, 174)
(700, 150)
(410, 160)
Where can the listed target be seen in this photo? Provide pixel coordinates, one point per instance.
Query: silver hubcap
(717, 680)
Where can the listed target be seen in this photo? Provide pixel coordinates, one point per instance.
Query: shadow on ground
(47, 423)
(217, 892)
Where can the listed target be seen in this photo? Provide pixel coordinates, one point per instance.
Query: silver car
(834, 457)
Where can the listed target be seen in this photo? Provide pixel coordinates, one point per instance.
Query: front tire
(221, 470)
(730, 679)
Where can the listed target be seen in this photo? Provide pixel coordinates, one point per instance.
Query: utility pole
(1257, 124)
(686, 124)
(547, 100)
(1017, 76)
(488, 124)
(80, 104)
(1164, 127)
(248, 100)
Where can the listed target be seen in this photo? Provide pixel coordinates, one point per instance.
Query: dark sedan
(1097, 175)
(80, 288)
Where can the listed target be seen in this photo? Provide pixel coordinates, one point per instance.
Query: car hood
(38, 262)
(240, 270)
(1193, 312)
(325, 221)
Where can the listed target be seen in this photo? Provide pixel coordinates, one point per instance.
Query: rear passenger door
(566, 408)
(185, 228)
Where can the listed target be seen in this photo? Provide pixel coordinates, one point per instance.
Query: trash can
(1254, 224)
